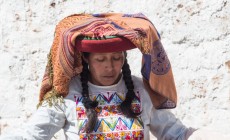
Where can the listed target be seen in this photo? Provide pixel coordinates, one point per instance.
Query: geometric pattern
(111, 124)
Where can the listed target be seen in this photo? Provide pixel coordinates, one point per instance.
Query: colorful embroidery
(134, 135)
(111, 122)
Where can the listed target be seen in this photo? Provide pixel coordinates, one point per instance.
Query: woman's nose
(109, 65)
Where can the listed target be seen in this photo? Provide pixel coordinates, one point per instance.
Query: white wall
(195, 34)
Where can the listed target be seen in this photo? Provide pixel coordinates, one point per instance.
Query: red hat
(103, 44)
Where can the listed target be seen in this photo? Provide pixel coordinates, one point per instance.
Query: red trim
(105, 45)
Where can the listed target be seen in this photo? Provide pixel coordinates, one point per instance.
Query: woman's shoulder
(137, 81)
(143, 93)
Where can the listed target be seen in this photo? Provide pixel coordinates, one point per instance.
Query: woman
(105, 102)
(89, 92)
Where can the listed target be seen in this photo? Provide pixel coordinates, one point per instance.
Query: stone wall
(195, 34)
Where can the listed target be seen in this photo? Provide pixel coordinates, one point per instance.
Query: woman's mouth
(108, 76)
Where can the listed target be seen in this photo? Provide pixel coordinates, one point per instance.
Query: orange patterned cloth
(65, 60)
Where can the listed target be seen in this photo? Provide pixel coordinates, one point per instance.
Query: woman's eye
(100, 59)
(117, 58)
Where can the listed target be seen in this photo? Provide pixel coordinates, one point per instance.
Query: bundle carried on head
(64, 61)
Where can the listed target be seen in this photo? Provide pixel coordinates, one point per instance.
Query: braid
(87, 102)
(130, 95)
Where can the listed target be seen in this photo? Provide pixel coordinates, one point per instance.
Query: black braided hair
(125, 106)
(87, 102)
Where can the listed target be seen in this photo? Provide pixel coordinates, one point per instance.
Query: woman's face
(105, 68)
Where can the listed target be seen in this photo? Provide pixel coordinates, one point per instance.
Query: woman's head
(105, 68)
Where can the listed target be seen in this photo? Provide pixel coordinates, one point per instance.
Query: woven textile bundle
(64, 61)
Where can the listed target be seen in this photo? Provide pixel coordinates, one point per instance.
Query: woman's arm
(165, 126)
(42, 125)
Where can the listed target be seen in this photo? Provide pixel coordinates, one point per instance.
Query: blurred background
(195, 35)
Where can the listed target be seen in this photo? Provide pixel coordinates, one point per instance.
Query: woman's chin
(108, 82)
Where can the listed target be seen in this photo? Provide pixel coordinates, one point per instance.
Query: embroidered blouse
(112, 124)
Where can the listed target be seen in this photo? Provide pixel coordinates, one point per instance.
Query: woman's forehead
(102, 54)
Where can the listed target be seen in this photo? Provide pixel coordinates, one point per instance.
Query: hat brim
(104, 45)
